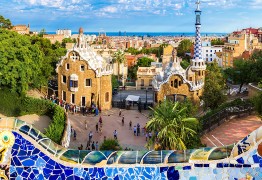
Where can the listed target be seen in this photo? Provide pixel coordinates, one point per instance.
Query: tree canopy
(184, 47)
(213, 94)
(144, 62)
(5, 23)
(171, 126)
(217, 42)
(26, 61)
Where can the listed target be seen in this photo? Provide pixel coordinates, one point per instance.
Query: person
(138, 130)
(74, 134)
(120, 112)
(134, 130)
(100, 130)
(93, 146)
(100, 121)
(86, 124)
(149, 135)
(123, 121)
(97, 127)
(90, 136)
(96, 145)
(115, 134)
(130, 125)
(81, 147)
(146, 136)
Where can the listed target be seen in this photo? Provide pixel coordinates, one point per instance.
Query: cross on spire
(198, 4)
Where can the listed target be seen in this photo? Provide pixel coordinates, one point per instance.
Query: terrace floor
(232, 131)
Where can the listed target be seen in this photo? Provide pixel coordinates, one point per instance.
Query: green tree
(214, 87)
(184, 47)
(184, 64)
(217, 42)
(119, 58)
(114, 82)
(66, 40)
(243, 72)
(257, 100)
(144, 62)
(20, 62)
(173, 126)
(110, 145)
(5, 23)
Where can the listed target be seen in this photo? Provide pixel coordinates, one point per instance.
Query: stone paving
(111, 122)
(232, 131)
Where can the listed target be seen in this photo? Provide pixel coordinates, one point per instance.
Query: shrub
(56, 128)
(11, 104)
(257, 100)
(110, 144)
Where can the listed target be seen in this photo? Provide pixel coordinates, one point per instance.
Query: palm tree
(173, 126)
(119, 58)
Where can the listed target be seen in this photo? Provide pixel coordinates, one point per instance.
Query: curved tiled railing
(32, 151)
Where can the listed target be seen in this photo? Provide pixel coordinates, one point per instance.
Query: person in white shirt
(115, 134)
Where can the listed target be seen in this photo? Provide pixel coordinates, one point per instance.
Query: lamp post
(145, 107)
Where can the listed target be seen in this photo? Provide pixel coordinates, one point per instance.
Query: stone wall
(253, 90)
(65, 142)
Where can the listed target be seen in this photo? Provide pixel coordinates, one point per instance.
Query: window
(142, 82)
(179, 83)
(210, 55)
(88, 82)
(83, 101)
(64, 79)
(190, 79)
(211, 59)
(73, 83)
(199, 73)
(64, 95)
(172, 83)
(73, 98)
(206, 50)
(206, 54)
(107, 97)
(150, 82)
(67, 66)
(82, 68)
(175, 83)
(206, 59)
(210, 50)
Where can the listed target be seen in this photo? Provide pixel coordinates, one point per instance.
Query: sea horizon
(151, 34)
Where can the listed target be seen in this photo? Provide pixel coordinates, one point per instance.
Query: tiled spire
(198, 43)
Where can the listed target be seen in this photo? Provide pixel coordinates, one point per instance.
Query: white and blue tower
(197, 63)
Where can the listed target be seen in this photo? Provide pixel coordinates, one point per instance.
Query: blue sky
(133, 15)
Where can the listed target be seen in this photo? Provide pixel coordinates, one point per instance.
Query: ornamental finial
(198, 3)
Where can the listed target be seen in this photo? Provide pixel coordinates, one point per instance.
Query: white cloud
(109, 9)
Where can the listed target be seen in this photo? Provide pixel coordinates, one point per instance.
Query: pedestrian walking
(115, 134)
(100, 131)
(74, 134)
(149, 135)
(120, 112)
(96, 145)
(134, 130)
(93, 146)
(100, 121)
(97, 127)
(86, 124)
(146, 136)
(138, 131)
(90, 135)
(130, 125)
(123, 121)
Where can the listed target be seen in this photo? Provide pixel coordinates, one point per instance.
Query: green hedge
(11, 104)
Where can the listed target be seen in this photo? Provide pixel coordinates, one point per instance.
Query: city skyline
(132, 15)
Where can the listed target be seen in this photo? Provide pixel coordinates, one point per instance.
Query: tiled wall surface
(27, 154)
